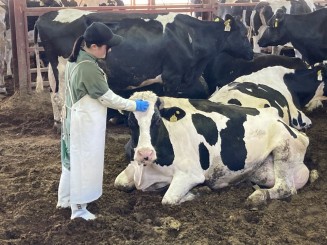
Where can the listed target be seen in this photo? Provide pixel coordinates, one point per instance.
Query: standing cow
(171, 51)
(264, 10)
(183, 143)
(307, 33)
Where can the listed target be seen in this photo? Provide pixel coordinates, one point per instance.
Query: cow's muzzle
(145, 155)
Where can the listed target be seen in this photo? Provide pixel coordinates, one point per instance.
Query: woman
(87, 97)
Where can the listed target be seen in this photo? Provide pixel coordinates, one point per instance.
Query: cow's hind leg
(290, 172)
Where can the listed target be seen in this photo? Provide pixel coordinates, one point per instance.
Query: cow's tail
(39, 79)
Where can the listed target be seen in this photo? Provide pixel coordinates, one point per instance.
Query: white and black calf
(183, 143)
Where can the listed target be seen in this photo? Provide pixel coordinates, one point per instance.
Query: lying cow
(183, 143)
(267, 88)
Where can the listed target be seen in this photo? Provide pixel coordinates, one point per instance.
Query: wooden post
(19, 45)
(13, 40)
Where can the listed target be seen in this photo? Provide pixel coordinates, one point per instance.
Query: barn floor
(30, 171)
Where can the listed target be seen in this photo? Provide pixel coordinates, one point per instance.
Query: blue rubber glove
(142, 105)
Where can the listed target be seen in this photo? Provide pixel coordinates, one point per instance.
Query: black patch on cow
(172, 114)
(288, 129)
(233, 150)
(300, 120)
(135, 133)
(204, 156)
(226, 110)
(160, 140)
(234, 102)
(274, 97)
(206, 127)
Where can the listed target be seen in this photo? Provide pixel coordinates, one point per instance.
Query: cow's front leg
(125, 180)
(180, 186)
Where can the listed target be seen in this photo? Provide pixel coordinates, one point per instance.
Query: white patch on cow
(190, 38)
(165, 19)
(317, 99)
(145, 176)
(69, 15)
(157, 79)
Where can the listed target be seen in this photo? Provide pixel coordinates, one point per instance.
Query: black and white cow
(308, 87)
(157, 48)
(243, 12)
(264, 10)
(183, 143)
(307, 33)
(267, 88)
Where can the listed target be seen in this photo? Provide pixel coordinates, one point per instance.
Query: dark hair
(77, 47)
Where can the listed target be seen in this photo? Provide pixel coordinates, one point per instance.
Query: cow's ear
(229, 22)
(172, 114)
(279, 17)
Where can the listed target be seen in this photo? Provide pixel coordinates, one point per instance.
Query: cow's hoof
(188, 197)
(125, 188)
(257, 199)
(170, 201)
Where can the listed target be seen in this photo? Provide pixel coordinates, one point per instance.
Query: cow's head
(236, 42)
(276, 33)
(144, 128)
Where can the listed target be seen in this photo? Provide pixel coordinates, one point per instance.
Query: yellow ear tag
(319, 78)
(276, 23)
(173, 118)
(227, 25)
(216, 20)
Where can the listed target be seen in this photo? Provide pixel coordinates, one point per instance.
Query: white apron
(87, 144)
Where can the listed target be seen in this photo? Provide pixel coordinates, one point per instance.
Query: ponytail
(76, 49)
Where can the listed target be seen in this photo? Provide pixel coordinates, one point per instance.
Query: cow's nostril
(146, 158)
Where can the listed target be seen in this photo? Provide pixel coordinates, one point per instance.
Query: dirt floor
(29, 176)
